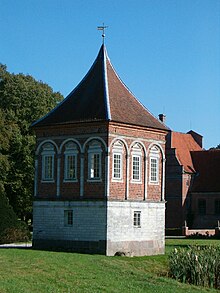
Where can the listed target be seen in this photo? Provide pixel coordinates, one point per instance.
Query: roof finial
(102, 28)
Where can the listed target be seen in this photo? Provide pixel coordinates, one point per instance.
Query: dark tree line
(215, 148)
(22, 101)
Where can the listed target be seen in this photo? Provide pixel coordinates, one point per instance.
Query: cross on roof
(102, 28)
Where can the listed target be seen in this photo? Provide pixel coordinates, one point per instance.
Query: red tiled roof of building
(101, 95)
(184, 143)
(207, 165)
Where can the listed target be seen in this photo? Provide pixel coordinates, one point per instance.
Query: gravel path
(16, 245)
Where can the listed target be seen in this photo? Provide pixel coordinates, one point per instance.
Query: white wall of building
(89, 220)
(123, 236)
(111, 222)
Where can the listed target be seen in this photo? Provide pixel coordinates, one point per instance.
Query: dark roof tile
(101, 95)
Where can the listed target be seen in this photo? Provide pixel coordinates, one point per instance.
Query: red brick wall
(177, 192)
(147, 137)
(209, 220)
(136, 190)
(117, 190)
(154, 190)
(69, 190)
(174, 191)
(94, 189)
(46, 190)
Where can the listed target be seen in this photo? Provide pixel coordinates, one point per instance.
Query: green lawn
(172, 243)
(23, 271)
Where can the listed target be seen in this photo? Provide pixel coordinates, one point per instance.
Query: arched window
(70, 162)
(117, 162)
(154, 165)
(48, 162)
(94, 162)
(136, 163)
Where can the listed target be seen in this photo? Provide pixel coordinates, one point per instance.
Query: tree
(11, 229)
(4, 145)
(215, 148)
(22, 101)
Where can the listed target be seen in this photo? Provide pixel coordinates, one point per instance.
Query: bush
(196, 265)
(11, 229)
(15, 234)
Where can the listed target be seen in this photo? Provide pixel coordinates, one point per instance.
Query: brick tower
(99, 170)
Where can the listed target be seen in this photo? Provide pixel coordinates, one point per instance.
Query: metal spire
(102, 28)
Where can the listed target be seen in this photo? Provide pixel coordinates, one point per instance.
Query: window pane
(95, 166)
(70, 167)
(136, 167)
(48, 167)
(68, 217)
(154, 170)
(117, 166)
(137, 219)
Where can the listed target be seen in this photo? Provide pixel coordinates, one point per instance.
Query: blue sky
(166, 51)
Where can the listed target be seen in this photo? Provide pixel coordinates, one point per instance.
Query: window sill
(47, 181)
(94, 180)
(136, 182)
(70, 181)
(153, 183)
(117, 180)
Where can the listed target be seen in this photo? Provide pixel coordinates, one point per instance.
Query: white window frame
(136, 180)
(71, 151)
(154, 155)
(118, 151)
(114, 177)
(48, 152)
(154, 169)
(93, 151)
(137, 219)
(68, 218)
(136, 153)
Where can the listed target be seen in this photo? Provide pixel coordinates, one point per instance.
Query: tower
(100, 167)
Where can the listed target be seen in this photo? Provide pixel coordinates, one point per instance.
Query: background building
(192, 184)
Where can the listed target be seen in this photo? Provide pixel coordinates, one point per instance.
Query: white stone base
(105, 227)
(123, 236)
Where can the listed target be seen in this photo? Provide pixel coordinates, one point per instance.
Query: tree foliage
(22, 101)
(7, 216)
(4, 145)
(11, 229)
(215, 148)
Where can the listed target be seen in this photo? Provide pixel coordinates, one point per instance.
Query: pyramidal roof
(101, 96)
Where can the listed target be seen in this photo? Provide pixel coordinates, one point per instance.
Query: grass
(26, 270)
(172, 243)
